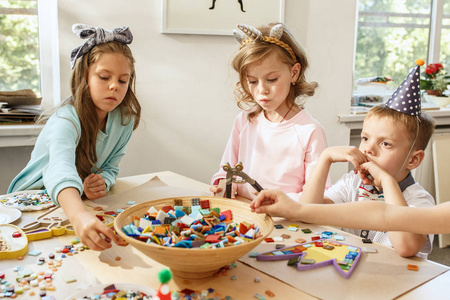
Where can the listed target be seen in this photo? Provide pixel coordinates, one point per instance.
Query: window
(19, 58)
(29, 57)
(392, 34)
(445, 35)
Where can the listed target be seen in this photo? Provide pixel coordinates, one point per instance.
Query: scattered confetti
(338, 237)
(413, 267)
(69, 279)
(270, 294)
(369, 250)
(34, 253)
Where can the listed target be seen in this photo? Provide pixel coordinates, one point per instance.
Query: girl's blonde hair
(255, 51)
(86, 154)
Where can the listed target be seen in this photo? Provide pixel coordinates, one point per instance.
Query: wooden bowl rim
(153, 246)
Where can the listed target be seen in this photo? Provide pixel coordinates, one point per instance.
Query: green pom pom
(164, 276)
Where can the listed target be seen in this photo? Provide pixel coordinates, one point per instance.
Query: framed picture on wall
(218, 17)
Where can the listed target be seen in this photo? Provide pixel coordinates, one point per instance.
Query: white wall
(329, 30)
(185, 84)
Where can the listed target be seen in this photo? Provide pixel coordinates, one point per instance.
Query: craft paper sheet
(374, 272)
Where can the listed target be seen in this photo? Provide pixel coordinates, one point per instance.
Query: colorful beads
(195, 226)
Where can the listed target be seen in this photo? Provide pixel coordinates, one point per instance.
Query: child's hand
(372, 174)
(94, 186)
(275, 203)
(219, 190)
(346, 153)
(92, 232)
(215, 189)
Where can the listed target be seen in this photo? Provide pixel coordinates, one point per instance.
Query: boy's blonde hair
(425, 123)
(254, 52)
(86, 154)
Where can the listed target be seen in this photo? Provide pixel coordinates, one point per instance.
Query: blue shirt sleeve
(61, 139)
(52, 164)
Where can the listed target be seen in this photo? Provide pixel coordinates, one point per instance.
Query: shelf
(18, 135)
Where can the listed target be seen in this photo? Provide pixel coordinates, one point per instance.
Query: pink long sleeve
(276, 155)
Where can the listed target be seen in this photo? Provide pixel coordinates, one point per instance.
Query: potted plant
(440, 83)
(434, 80)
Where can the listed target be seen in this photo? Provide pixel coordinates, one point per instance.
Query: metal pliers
(236, 175)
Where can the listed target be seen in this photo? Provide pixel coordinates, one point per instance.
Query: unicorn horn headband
(247, 34)
(97, 36)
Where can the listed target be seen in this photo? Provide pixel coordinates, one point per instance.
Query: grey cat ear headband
(247, 34)
(97, 36)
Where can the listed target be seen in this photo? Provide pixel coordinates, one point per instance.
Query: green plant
(440, 83)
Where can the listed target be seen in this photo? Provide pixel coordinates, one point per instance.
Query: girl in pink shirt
(275, 138)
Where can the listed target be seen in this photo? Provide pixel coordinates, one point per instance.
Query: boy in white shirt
(393, 140)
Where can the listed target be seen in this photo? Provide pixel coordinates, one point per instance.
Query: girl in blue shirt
(82, 143)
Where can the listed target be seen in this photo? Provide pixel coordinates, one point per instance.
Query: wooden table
(91, 267)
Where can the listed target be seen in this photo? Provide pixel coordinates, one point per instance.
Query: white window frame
(434, 42)
(49, 52)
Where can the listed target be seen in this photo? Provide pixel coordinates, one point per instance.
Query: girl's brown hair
(255, 51)
(86, 154)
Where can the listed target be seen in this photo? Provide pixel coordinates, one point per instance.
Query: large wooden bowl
(195, 262)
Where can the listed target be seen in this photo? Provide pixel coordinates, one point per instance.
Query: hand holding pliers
(236, 175)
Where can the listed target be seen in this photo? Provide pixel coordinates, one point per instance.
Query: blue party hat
(406, 99)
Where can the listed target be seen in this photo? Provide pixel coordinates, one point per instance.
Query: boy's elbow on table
(406, 249)
(406, 252)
